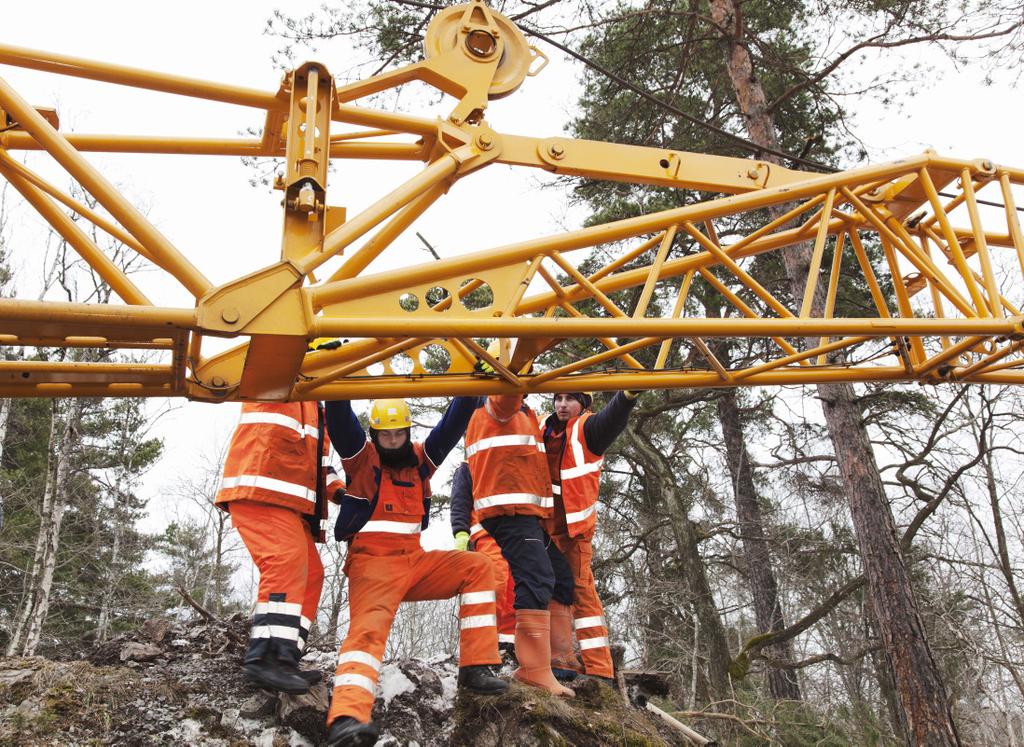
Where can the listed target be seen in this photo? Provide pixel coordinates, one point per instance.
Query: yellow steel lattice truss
(911, 231)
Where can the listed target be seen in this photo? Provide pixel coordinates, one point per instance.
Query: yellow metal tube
(103, 191)
(201, 146)
(422, 326)
(959, 261)
(393, 121)
(817, 253)
(383, 238)
(576, 275)
(980, 246)
(833, 285)
(107, 315)
(76, 237)
(655, 273)
(64, 64)
(820, 350)
(949, 353)
(345, 234)
(593, 360)
(677, 310)
(1012, 221)
(91, 215)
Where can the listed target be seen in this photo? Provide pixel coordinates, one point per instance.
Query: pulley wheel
(443, 36)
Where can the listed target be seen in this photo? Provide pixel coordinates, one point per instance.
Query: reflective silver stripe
(392, 527)
(359, 657)
(275, 631)
(325, 524)
(279, 608)
(475, 528)
(589, 622)
(506, 638)
(276, 418)
(496, 441)
(325, 461)
(577, 516)
(301, 644)
(355, 680)
(556, 489)
(508, 499)
(581, 469)
(269, 483)
(476, 597)
(575, 444)
(332, 478)
(305, 623)
(478, 621)
(588, 643)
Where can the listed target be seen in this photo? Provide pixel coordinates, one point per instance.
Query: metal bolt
(987, 165)
(753, 173)
(556, 151)
(217, 381)
(485, 141)
(230, 315)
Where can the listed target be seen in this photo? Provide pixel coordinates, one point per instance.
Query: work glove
(484, 366)
(629, 394)
(462, 541)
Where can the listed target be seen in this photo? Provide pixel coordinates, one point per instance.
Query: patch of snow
(386, 740)
(393, 683)
(179, 642)
(297, 740)
(190, 731)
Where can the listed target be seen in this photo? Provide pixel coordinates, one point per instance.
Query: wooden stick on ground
(679, 726)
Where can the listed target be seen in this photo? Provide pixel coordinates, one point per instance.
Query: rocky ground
(180, 684)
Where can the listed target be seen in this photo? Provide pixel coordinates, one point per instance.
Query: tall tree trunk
(112, 577)
(924, 708)
(36, 605)
(782, 683)
(661, 481)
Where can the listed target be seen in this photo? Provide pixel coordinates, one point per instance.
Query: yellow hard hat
(390, 415)
(494, 349)
(325, 343)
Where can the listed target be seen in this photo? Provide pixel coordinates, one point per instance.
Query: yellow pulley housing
(483, 34)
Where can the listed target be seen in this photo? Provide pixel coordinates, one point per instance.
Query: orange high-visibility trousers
(379, 579)
(587, 610)
(504, 587)
(291, 577)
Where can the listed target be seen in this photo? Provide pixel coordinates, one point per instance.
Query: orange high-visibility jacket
(506, 460)
(579, 479)
(273, 459)
(402, 497)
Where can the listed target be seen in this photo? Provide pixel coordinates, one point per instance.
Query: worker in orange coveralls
(511, 495)
(467, 529)
(386, 508)
(276, 484)
(575, 440)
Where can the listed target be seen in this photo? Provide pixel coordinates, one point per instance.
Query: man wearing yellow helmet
(386, 508)
(575, 440)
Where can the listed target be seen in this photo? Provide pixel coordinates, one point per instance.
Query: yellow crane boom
(954, 263)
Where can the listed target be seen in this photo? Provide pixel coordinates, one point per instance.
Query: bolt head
(230, 315)
(485, 142)
(753, 173)
(217, 381)
(556, 151)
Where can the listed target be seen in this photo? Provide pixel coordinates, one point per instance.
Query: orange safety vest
(273, 459)
(399, 496)
(507, 464)
(579, 480)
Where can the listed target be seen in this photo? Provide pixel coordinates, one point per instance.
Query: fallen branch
(692, 736)
(210, 617)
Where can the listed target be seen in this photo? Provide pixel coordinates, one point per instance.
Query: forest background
(734, 524)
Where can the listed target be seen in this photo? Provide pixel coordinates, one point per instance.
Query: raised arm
(443, 437)
(601, 430)
(462, 499)
(343, 427)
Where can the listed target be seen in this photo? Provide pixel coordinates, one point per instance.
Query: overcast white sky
(206, 207)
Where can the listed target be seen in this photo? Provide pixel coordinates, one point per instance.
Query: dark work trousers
(539, 570)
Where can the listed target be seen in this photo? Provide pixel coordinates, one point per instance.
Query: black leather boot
(271, 674)
(312, 676)
(345, 731)
(479, 679)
